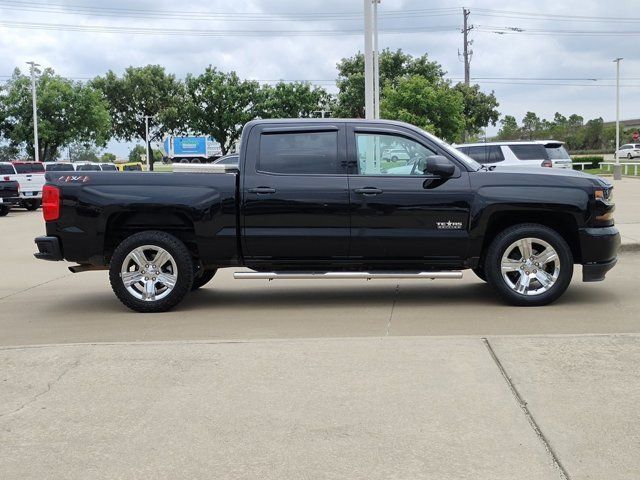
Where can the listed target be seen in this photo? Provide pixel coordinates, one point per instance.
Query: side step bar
(455, 275)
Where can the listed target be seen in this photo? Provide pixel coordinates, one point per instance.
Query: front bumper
(599, 247)
(48, 248)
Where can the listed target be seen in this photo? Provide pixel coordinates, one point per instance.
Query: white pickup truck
(30, 177)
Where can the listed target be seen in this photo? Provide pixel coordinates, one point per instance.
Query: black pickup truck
(9, 195)
(325, 199)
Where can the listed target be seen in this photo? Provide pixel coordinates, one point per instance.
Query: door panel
(296, 197)
(400, 214)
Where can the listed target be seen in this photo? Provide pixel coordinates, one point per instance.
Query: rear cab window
(6, 169)
(303, 153)
(31, 167)
(59, 167)
(529, 152)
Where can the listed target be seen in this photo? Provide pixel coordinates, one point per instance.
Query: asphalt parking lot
(314, 379)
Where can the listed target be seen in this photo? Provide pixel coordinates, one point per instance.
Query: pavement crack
(35, 286)
(564, 475)
(393, 306)
(43, 392)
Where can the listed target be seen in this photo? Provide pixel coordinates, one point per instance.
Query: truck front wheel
(151, 271)
(529, 265)
(203, 279)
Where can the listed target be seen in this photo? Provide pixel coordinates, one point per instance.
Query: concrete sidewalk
(414, 407)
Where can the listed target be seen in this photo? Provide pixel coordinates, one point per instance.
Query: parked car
(301, 206)
(30, 177)
(628, 151)
(231, 159)
(9, 195)
(58, 166)
(129, 167)
(395, 154)
(534, 153)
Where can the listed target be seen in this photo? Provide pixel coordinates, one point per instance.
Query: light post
(146, 142)
(617, 168)
(36, 148)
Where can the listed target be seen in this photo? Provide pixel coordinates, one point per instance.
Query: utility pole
(146, 141)
(36, 148)
(376, 66)
(617, 168)
(369, 109)
(466, 52)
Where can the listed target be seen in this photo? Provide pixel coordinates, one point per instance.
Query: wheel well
(122, 225)
(562, 223)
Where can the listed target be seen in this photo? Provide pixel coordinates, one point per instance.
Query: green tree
(68, 112)
(81, 152)
(480, 109)
(143, 91)
(218, 104)
(108, 157)
(9, 153)
(509, 129)
(138, 154)
(292, 100)
(393, 66)
(530, 125)
(416, 100)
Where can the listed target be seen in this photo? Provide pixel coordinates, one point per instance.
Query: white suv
(534, 153)
(629, 151)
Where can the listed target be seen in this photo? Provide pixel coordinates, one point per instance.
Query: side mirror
(439, 166)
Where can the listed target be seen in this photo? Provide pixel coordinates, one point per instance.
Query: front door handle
(368, 191)
(262, 190)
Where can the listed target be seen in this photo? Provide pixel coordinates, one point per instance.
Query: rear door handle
(262, 190)
(368, 191)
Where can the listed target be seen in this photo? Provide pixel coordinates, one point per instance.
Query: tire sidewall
(493, 269)
(181, 256)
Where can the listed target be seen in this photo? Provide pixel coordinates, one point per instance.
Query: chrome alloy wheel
(530, 266)
(149, 273)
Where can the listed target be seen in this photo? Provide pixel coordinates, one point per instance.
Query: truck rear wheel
(151, 271)
(4, 210)
(529, 265)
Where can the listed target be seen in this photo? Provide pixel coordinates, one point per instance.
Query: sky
(549, 56)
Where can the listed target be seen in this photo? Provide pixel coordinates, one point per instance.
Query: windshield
(558, 153)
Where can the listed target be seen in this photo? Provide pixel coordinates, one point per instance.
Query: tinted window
(625, 147)
(7, 170)
(59, 167)
(390, 155)
(32, 167)
(301, 153)
(485, 153)
(132, 168)
(558, 153)
(233, 160)
(529, 152)
(87, 167)
(108, 168)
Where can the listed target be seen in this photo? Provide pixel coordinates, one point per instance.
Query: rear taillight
(547, 163)
(50, 203)
(6, 179)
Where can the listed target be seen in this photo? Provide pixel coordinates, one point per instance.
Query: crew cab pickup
(30, 176)
(9, 195)
(319, 199)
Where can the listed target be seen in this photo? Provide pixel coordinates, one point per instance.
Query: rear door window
(486, 153)
(529, 152)
(299, 153)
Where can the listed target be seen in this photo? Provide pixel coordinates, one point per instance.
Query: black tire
(175, 248)
(203, 279)
(4, 210)
(629, 156)
(493, 269)
(480, 273)
(31, 205)
(394, 159)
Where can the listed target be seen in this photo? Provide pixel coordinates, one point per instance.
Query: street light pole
(369, 108)
(146, 142)
(376, 69)
(36, 148)
(617, 168)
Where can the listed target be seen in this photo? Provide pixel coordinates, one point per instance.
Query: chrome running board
(451, 275)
